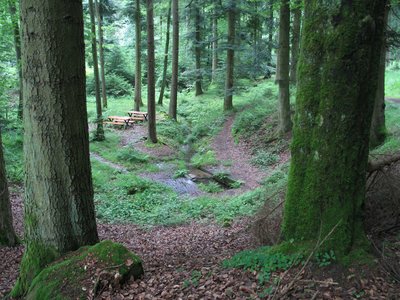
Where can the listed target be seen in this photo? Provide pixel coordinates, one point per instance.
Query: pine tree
(282, 76)
(151, 93)
(58, 206)
(335, 97)
(230, 57)
(173, 103)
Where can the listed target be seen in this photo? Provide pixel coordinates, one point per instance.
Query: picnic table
(117, 120)
(138, 115)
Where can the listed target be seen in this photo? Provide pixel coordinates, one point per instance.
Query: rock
(85, 271)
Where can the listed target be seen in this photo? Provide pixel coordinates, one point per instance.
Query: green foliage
(252, 118)
(205, 158)
(62, 279)
(392, 83)
(263, 261)
(324, 259)
(193, 280)
(116, 86)
(125, 197)
(13, 154)
(211, 187)
(264, 159)
(180, 173)
(129, 154)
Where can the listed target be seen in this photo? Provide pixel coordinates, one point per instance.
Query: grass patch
(211, 187)
(125, 197)
(13, 154)
(392, 83)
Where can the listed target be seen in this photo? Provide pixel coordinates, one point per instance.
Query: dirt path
(239, 157)
(394, 100)
(108, 163)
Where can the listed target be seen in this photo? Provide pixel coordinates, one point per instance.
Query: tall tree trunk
(378, 124)
(99, 135)
(7, 233)
(197, 49)
(151, 91)
(335, 98)
(214, 65)
(17, 45)
(230, 57)
(164, 76)
(295, 40)
(270, 30)
(282, 77)
(138, 54)
(58, 206)
(99, 17)
(175, 59)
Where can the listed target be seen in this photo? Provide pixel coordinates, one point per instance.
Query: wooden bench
(120, 121)
(138, 115)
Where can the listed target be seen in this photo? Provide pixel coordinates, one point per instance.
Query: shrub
(264, 158)
(116, 85)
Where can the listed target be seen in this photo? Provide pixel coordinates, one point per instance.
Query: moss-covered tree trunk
(337, 80)
(173, 102)
(17, 46)
(378, 124)
(58, 206)
(99, 135)
(295, 40)
(138, 54)
(197, 49)
(282, 76)
(151, 87)
(7, 233)
(99, 17)
(230, 56)
(166, 51)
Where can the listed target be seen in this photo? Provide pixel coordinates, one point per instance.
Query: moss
(36, 257)
(335, 98)
(64, 278)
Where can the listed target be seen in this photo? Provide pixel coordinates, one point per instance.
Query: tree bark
(99, 17)
(175, 59)
(270, 29)
(138, 53)
(164, 76)
(378, 124)
(17, 46)
(7, 233)
(282, 77)
(230, 57)
(295, 40)
(151, 92)
(214, 64)
(99, 135)
(197, 48)
(337, 81)
(58, 206)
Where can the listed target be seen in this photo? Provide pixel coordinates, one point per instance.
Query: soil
(238, 157)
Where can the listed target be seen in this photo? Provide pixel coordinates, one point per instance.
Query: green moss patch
(83, 272)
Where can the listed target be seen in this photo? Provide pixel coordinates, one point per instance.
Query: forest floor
(185, 261)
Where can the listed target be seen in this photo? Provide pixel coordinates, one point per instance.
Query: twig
(317, 246)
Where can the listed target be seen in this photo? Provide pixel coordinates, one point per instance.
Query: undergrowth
(125, 197)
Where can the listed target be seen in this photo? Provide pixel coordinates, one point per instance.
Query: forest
(199, 149)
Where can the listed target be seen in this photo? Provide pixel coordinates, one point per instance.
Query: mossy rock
(83, 272)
